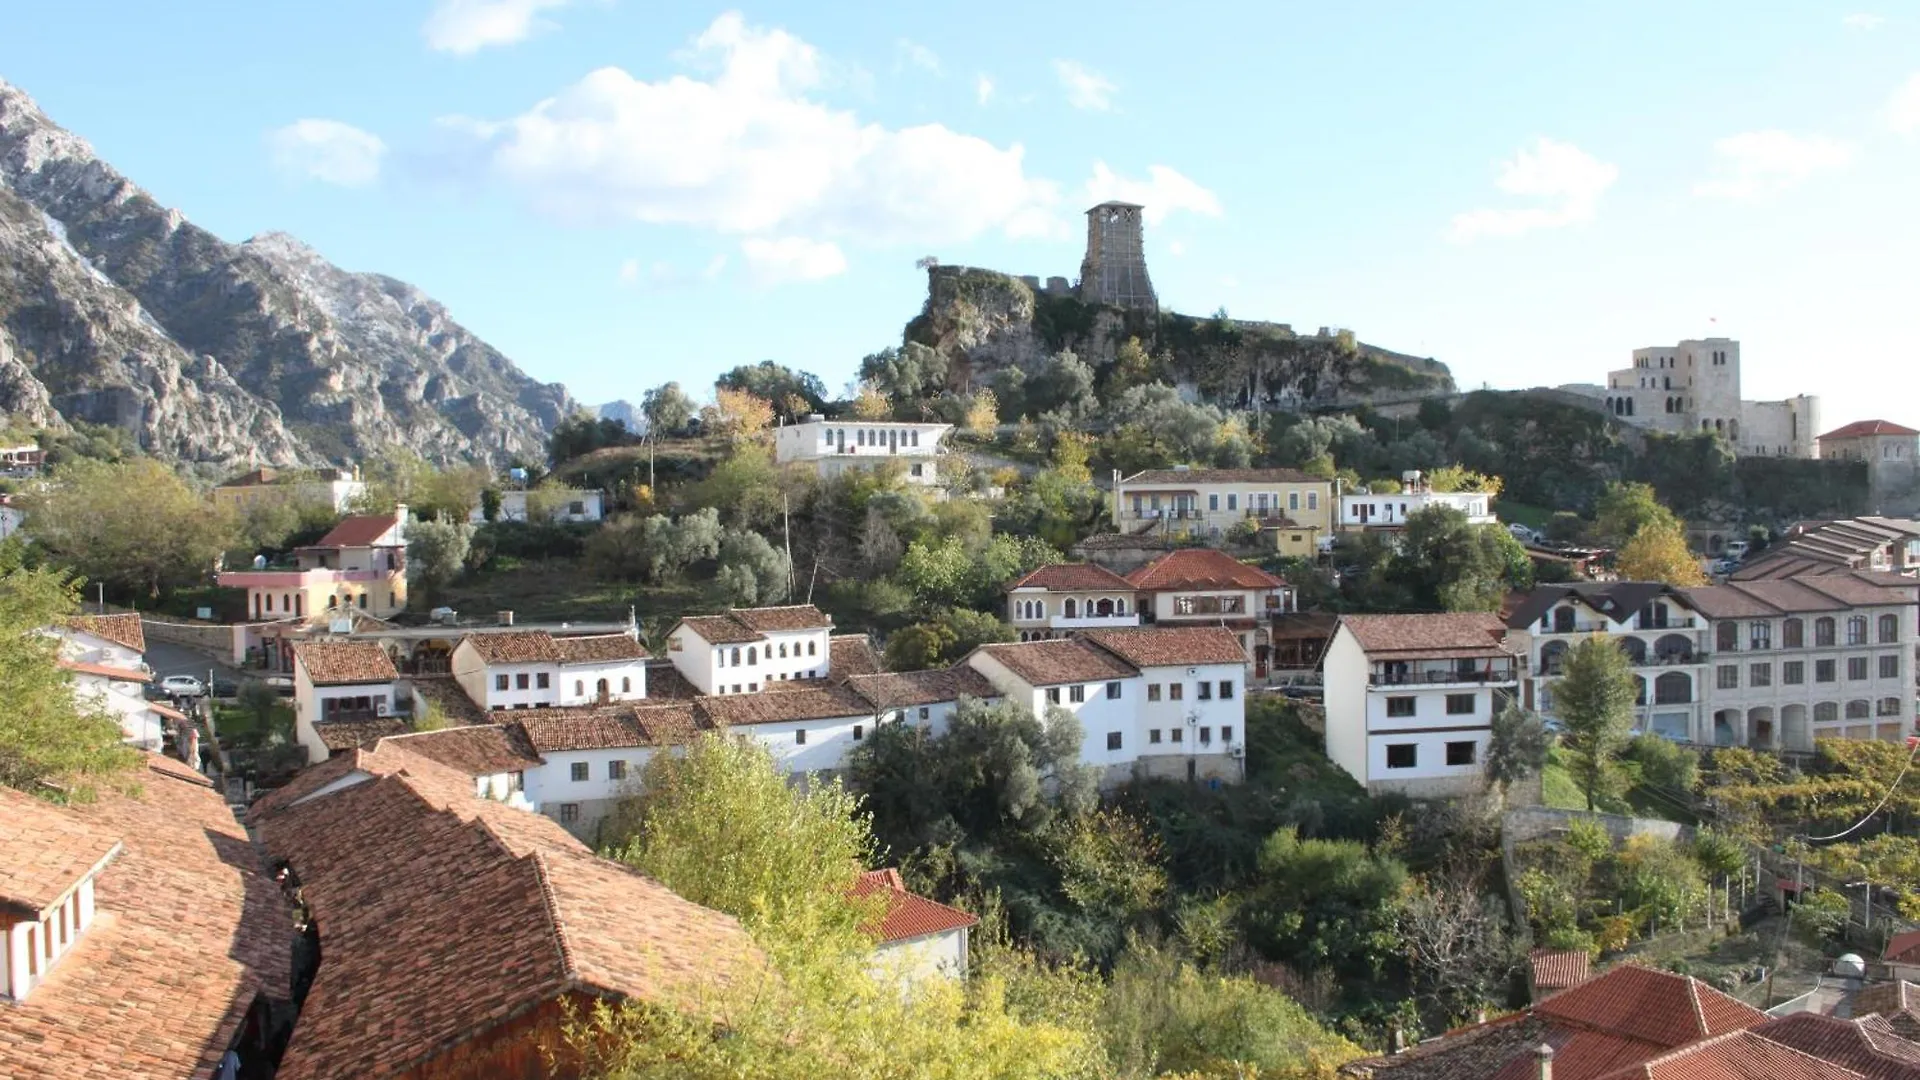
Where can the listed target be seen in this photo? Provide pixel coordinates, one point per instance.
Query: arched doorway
(1674, 649)
(1794, 733)
(1727, 727)
(1760, 730)
(1553, 656)
(1635, 649)
(1673, 688)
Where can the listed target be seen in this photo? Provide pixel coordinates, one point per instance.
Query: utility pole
(786, 528)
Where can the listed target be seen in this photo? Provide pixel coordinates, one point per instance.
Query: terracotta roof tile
(1170, 646)
(1902, 947)
(476, 750)
(124, 629)
(452, 701)
(970, 683)
(1050, 663)
(347, 734)
(720, 629)
(1459, 634)
(358, 531)
(1738, 1055)
(515, 647)
(665, 683)
(1862, 428)
(105, 671)
(1161, 477)
(44, 852)
(1868, 1046)
(899, 690)
(852, 654)
(1656, 1006)
(599, 649)
(907, 915)
(190, 928)
(1887, 999)
(606, 727)
(395, 869)
(824, 703)
(1071, 577)
(344, 663)
(782, 619)
(1201, 568)
(1559, 969)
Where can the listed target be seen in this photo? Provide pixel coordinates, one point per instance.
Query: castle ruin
(1115, 269)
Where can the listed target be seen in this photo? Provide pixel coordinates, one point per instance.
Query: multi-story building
(1889, 545)
(1205, 587)
(535, 669)
(572, 505)
(105, 655)
(1772, 663)
(832, 447)
(1410, 699)
(335, 488)
(1892, 455)
(1285, 503)
(747, 649)
(343, 696)
(1364, 510)
(1695, 387)
(1062, 598)
(360, 565)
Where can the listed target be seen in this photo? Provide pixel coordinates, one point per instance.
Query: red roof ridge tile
(562, 942)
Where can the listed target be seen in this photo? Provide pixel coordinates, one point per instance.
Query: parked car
(282, 684)
(1522, 533)
(183, 686)
(1735, 550)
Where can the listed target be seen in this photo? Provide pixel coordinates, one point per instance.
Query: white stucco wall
(1345, 671)
(942, 955)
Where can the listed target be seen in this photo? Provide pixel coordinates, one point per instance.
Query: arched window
(1889, 629)
(1826, 712)
(753, 655)
(1674, 649)
(1793, 634)
(812, 649)
(736, 657)
(600, 688)
(1856, 630)
(783, 650)
(1859, 709)
(1070, 607)
(333, 602)
(579, 688)
(1104, 608)
(1635, 649)
(1822, 632)
(1629, 406)
(1120, 606)
(861, 436)
(1673, 688)
(626, 684)
(1552, 656)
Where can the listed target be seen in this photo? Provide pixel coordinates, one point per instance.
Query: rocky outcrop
(123, 312)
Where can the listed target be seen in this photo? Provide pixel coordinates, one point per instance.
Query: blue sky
(617, 193)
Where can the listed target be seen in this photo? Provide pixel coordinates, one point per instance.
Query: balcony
(298, 579)
(1093, 622)
(1683, 623)
(1440, 677)
(1579, 626)
(1168, 514)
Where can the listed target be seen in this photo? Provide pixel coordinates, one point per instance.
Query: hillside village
(1090, 690)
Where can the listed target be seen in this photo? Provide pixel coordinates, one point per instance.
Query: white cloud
(328, 151)
(1176, 248)
(467, 26)
(1903, 108)
(1755, 164)
(912, 52)
(1565, 180)
(1162, 192)
(792, 258)
(1086, 88)
(666, 275)
(748, 152)
(1862, 21)
(982, 89)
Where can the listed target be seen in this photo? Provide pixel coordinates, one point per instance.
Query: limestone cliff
(114, 309)
(983, 320)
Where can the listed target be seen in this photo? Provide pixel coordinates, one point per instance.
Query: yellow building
(360, 566)
(1291, 509)
(333, 487)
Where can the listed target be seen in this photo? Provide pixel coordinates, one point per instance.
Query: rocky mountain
(622, 410)
(115, 309)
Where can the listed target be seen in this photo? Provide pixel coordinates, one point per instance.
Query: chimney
(1543, 1062)
(400, 514)
(503, 618)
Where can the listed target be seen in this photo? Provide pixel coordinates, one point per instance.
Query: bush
(534, 539)
(1665, 765)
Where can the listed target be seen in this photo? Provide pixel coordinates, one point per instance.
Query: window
(1856, 668)
(1226, 689)
(1206, 736)
(1113, 740)
(918, 469)
(1460, 704)
(616, 770)
(1822, 632)
(579, 771)
(1313, 500)
(1153, 691)
(1826, 712)
(1293, 500)
(783, 650)
(1460, 753)
(799, 736)
(1076, 694)
(1113, 691)
(1400, 706)
(569, 813)
(1856, 630)
(1153, 736)
(1404, 755)
(1233, 501)
(859, 732)
(1727, 677)
(1226, 734)
(540, 680)
(1889, 629)
(626, 684)
(1213, 502)
(1203, 690)
(1760, 675)
(1053, 695)
(1727, 637)
(1176, 691)
(736, 658)
(1175, 734)
(925, 712)
(1889, 706)
(520, 681)
(1793, 634)
(1857, 709)
(579, 688)
(1760, 635)
(1890, 667)
(812, 647)
(1793, 672)
(1823, 671)
(753, 655)
(499, 682)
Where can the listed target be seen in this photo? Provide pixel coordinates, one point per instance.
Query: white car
(183, 686)
(1522, 533)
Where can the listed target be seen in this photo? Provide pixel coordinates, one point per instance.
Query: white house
(535, 669)
(106, 657)
(1410, 699)
(1205, 587)
(1662, 634)
(498, 757)
(592, 757)
(572, 505)
(914, 938)
(807, 730)
(52, 857)
(926, 698)
(832, 447)
(747, 649)
(1390, 511)
(1058, 599)
(343, 696)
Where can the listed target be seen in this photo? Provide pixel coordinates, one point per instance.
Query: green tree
(752, 572)
(1626, 508)
(436, 553)
(1594, 699)
(134, 525)
(908, 373)
(50, 744)
(1063, 384)
(1517, 749)
(918, 647)
(1445, 562)
(583, 433)
(1111, 866)
(773, 382)
(1658, 552)
(1327, 903)
(668, 410)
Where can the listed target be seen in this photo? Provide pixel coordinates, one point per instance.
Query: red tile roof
(348, 734)
(358, 531)
(1170, 646)
(189, 928)
(1159, 477)
(1050, 663)
(1478, 634)
(1868, 1046)
(599, 649)
(907, 915)
(607, 727)
(1902, 947)
(1862, 428)
(124, 629)
(344, 663)
(1559, 969)
(1738, 1055)
(445, 915)
(790, 706)
(741, 625)
(1071, 577)
(852, 654)
(105, 671)
(477, 750)
(1654, 1006)
(1201, 568)
(44, 852)
(515, 647)
(913, 688)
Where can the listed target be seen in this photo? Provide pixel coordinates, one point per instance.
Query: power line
(1913, 749)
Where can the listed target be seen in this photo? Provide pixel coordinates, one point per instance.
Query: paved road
(167, 659)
